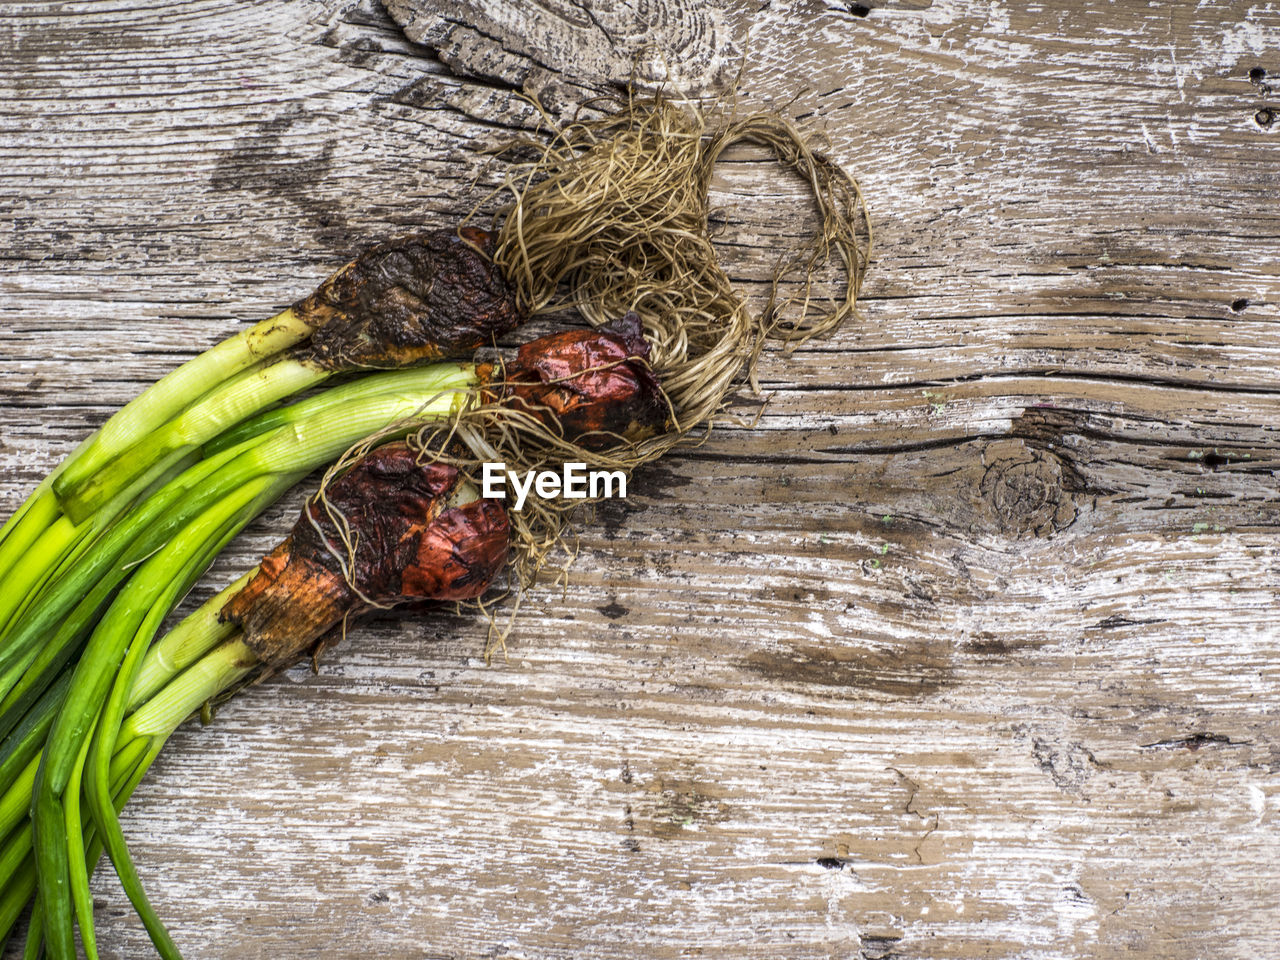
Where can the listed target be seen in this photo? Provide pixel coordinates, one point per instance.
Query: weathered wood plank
(966, 648)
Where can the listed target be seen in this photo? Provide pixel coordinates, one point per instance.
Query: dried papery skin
(411, 299)
(402, 541)
(594, 387)
(459, 554)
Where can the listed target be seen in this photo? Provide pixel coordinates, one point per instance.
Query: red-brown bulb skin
(409, 545)
(459, 554)
(594, 387)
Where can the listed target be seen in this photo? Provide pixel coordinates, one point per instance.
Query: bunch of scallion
(614, 209)
(417, 298)
(108, 544)
(74, 756)
(154, 687)
(60, 657)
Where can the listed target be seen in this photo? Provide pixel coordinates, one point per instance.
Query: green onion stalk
(196, 661)
(123, 586)
(127, 695)
(410, 300)
(272, 451)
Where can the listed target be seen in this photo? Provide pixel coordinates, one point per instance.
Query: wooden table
(968, 647)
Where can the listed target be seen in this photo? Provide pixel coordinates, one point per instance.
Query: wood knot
(1027, 489)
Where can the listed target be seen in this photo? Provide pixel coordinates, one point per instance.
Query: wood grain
(966, 648)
